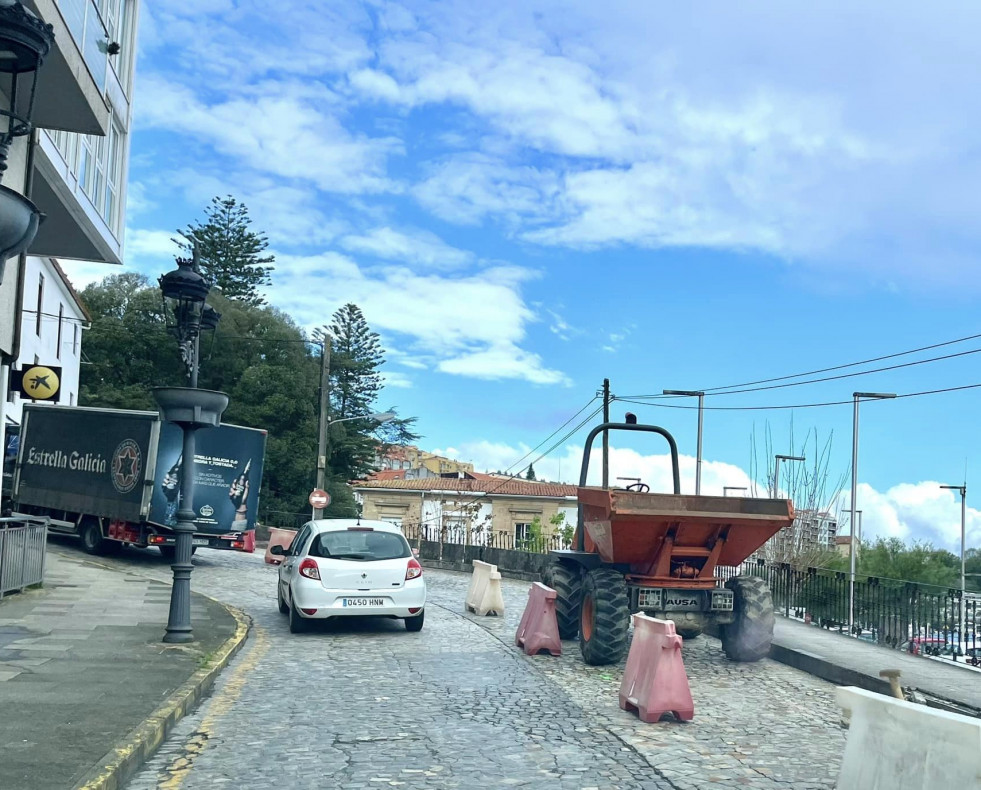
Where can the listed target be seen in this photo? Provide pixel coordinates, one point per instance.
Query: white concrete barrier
(900, 745)
(485, 596)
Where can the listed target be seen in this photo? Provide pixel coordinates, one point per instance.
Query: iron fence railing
(920, 618)
(494, 539)
(23, 543)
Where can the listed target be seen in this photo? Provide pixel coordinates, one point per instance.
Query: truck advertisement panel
(85, 460)
(227, 475)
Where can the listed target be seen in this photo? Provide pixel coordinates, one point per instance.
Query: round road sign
(319, 498)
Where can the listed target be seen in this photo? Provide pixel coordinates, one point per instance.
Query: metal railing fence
(23, 544)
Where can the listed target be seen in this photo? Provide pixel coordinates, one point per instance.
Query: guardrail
(919, 618)
(23, 544)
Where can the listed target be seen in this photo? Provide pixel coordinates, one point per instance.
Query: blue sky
(526, 198)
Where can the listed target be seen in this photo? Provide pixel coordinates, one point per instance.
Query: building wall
(60, 320)
(453, 510)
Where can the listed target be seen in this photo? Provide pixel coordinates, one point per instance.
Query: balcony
(72, 82)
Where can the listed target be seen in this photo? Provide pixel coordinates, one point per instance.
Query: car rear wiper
(347, 556)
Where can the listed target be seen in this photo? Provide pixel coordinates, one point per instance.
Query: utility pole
(606, 434)
(963, 492)
(324, 421)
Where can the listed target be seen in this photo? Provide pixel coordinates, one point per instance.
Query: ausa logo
(127, 466)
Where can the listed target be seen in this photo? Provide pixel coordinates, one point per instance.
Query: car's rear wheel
(415, 622)
(283, 606)
(297, 624)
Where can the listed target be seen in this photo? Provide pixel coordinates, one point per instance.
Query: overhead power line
(718, 390)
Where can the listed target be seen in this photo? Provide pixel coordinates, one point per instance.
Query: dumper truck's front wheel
(605, 617)
(566, 580)
(749, 637)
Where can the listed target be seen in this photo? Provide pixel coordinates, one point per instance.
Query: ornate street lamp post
(25, 40)
(184, 291)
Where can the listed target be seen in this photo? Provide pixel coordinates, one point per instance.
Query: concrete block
(904, 746)
(485, 595)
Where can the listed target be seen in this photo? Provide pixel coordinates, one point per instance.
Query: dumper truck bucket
(671, 537)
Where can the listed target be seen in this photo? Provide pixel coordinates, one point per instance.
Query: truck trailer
(111, 477)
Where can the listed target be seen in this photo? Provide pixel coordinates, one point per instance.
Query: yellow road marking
(220, 704)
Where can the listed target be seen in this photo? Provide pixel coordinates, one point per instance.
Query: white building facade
(74, 168)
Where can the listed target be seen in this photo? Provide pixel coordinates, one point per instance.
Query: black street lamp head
(209, 318)
(184, 292)
(25, 40)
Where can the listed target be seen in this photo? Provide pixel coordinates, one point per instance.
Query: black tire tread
(414, 624)
(566, 580)
(297, 624)
(750, 636)
(611, 617)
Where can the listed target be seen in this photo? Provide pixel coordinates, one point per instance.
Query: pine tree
(531, 473)
(354, 365)
(230, 252)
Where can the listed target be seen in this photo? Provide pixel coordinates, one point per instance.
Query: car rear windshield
(359, 545)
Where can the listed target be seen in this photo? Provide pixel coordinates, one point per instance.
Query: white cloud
(277, 128)
(470, 324)
(415, 247)
(393, 378)
(142, 244)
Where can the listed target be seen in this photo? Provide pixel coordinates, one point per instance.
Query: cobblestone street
(366, 705)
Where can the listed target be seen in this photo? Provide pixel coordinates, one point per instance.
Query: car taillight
(414, 571)
(309, 569)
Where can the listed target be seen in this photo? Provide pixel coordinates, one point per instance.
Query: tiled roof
(496, 486)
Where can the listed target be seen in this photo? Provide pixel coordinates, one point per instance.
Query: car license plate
(363, 602)
(200, 542)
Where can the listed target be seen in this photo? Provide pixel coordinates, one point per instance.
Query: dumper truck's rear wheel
(605, 617)
(749, 637)
(566, 580)
(688, 633)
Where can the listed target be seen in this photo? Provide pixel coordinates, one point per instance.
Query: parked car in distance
(348, 567)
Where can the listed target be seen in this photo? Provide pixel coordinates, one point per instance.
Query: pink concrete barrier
(539, 630)
(278, 537)
(654, 680)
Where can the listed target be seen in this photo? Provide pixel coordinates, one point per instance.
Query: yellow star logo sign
(40, 383)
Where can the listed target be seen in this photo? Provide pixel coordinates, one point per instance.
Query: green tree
(531, 473)
(230, 252)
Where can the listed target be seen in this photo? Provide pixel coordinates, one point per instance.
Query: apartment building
(73, 167)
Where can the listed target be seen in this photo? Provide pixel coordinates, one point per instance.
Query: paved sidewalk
(82, 666)
(943, 679)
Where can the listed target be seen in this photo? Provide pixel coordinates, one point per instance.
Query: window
(297, 545)
(61, 322)
(522, 532)
(71, 398)
(75, 341)
(110, 204)
(40, 304)
(359, 545)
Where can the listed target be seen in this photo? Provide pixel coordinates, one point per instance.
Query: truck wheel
(605, 617)
(688, 633)
(566, 580)
(92, 540)
(749, 637)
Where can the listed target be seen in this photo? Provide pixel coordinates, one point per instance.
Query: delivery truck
(111, 477)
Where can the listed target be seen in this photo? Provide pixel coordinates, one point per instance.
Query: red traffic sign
(319, 498)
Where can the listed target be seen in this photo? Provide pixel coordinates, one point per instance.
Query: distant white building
(51, 330)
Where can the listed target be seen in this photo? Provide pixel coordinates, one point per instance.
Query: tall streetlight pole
(776, 471)
(378, 417)
(857, 396)
(184, 292)
(963, 492)
(698, 458)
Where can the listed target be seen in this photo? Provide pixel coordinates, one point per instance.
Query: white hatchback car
(343, 567)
